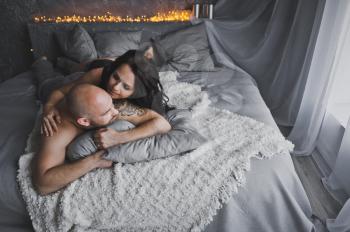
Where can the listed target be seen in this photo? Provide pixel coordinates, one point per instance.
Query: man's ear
(83, 122)
(149, 53)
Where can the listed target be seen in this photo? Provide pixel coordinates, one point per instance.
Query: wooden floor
(322, 203)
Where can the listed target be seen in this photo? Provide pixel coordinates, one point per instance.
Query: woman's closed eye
(126, 87)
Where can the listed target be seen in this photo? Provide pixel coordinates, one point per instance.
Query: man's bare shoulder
(53, 148)
(66, 132)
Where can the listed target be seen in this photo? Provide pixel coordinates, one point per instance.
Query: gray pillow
(181, 138)
(184, 50)
(66, 65)
(77, 44)
(114, 44)
(84, 144)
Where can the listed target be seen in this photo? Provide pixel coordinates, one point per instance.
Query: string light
(170, 16)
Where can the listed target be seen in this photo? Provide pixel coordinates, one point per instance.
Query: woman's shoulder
(96, 71)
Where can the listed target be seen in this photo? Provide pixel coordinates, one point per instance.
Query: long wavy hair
(146, 72)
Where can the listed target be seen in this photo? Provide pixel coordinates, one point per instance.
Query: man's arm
(51, 173)
(147, 122)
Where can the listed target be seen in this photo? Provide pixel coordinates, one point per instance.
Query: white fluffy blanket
(180, 193)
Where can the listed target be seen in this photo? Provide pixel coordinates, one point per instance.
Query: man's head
(90, 106)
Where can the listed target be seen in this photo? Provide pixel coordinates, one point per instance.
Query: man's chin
(97, 125)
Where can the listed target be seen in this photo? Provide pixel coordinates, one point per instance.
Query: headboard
(44, 43)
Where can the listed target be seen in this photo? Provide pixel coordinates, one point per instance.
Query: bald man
(85, 107)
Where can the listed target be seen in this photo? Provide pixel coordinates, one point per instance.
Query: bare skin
(148, 123)
(51, 172)
(51, 116)
(120, 86)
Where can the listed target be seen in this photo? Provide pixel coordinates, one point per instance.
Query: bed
(272, 199)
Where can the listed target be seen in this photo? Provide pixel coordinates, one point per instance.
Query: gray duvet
(273, 198)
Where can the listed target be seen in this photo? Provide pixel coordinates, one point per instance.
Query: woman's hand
(50, 119)
(106, 137)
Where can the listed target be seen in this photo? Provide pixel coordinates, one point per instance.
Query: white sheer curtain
(333, 32)
(291, 55)
(339, 180)
(342, 222)
(317, 90)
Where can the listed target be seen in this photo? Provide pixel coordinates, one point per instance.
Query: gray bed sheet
(18, 110)
(273, 198)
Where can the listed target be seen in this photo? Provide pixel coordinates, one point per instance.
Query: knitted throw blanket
(180, 193)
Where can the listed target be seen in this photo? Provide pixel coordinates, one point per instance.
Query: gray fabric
(273, 40)
(48, 79)
(342, 222)
(317, 96)
(66, 65)
(181, 138)
(84, 144)
(43, 42)
(185, 50)
(77, 44)
(272, 199)
(115, 43)
(233, 90)
(18, 111)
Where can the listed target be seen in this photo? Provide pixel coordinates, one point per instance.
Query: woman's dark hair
(146, 74)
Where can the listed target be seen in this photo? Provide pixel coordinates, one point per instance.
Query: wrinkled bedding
(180, 193)
(273, 198)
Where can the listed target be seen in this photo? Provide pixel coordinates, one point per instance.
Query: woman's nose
(116, 87)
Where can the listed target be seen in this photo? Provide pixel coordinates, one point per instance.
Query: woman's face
(121, 82)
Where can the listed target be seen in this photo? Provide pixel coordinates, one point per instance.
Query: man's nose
(115, 111)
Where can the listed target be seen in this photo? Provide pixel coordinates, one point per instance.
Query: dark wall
(14, 47)
(15, 54)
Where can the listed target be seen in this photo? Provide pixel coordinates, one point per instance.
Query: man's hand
(99, 161)
(106, 137)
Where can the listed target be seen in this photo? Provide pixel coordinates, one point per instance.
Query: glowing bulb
(175, 15)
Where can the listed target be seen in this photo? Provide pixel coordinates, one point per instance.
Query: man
(87, 106)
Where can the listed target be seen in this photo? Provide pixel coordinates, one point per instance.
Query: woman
(131, 76)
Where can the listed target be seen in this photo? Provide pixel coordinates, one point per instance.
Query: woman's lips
(112, 93)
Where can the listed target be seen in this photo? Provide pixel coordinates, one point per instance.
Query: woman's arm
(91, 77)
(147, 122)
(50, 114)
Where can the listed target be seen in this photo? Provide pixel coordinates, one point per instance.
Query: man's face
(104, 114)
(99, 111)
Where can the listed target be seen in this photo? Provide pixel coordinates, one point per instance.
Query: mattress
(272, 199)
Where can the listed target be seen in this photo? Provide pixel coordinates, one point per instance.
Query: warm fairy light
(170, 16)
